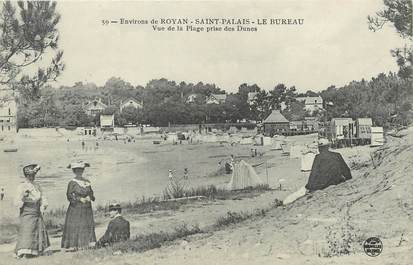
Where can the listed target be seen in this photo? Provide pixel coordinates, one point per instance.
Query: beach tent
(243, 176)
(377, 138)
(267, 141)
(285, 149)
(307, 161)
(258, 139)
(277, 145)
(246, 140)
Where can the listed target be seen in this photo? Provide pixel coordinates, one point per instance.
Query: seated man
(329, 168)
(118, 228)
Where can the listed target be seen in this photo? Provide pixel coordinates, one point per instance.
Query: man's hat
(323, 142)
(79, 164)
(114, 207)
(31, 169)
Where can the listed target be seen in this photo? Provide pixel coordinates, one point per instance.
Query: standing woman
(79, 229)
(32, 239)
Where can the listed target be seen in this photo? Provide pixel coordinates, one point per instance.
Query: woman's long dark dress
(79, 229)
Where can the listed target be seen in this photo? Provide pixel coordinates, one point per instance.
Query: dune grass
(55, 218)
(146, 242)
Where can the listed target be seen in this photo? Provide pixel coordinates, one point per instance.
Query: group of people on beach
(79, 227)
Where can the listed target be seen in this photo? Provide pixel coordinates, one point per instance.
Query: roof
(341, 121)
(96, 103)
(276, 117)
(128, 100)
(311, 100)
(219, 96)
(365, 121)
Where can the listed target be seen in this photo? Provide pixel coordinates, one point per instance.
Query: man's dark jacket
(118, 230)
(329, 168)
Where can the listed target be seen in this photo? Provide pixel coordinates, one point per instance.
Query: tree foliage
(399, 14)
(27, 32)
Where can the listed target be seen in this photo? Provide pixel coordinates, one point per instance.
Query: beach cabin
(363, 129)
(8, 112)
(342, 128)
(107, 122)
(377, 136)
(275, 123)
(89, 131)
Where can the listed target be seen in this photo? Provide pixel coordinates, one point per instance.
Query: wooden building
(276, 123)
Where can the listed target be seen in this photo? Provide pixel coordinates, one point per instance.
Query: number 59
(105, 22)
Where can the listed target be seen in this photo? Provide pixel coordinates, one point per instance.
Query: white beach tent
(246, 140)
(243, 176)
(267, 141)
(285, 149)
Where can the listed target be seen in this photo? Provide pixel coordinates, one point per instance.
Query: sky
(333, 47)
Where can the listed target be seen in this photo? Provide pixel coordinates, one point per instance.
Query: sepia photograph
(206, 132)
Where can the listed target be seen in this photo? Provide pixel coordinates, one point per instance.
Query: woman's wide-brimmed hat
(78, 164)
(31, 169)
(114, 207)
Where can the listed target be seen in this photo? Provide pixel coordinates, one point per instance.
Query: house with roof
(312, 103)
(94, 107)
(216, 99)
(191, 98)
(130, 102)
(275, 123)
(8, 113)
(252, 96)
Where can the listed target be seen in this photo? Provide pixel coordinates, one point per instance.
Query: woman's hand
(84, 199)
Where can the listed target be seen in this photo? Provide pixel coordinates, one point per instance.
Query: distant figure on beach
(170, 174)
(97, 144)
(83, 144)
(232, 162)
(186, 173)
(2, 194)
(118, 229)
(79, 228)
(329, 168)
(33, 239)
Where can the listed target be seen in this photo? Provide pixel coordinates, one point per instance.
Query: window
(9, 112)
(8, 127)
(2, 128)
